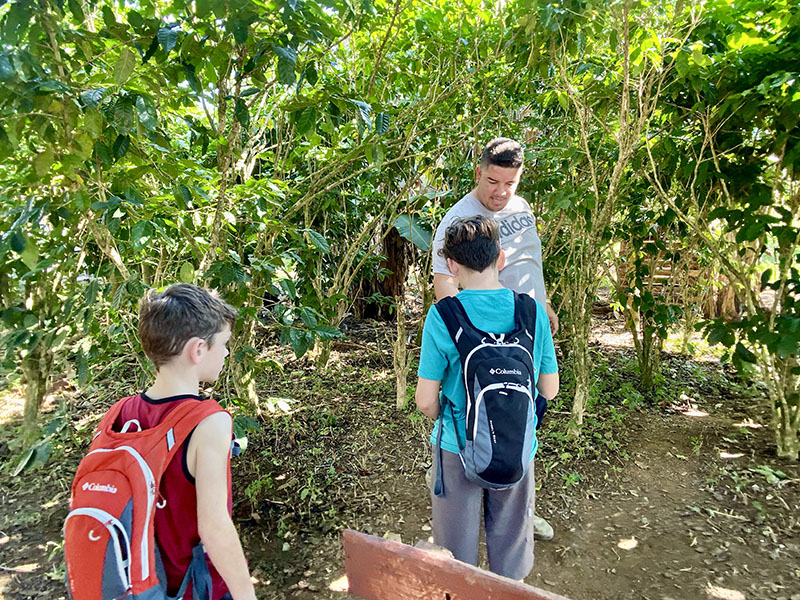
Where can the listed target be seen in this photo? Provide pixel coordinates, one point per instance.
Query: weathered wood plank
(379, 569)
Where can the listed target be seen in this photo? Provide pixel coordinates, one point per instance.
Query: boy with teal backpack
(485, 354)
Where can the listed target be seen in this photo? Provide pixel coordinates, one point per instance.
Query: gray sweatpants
(507, 515)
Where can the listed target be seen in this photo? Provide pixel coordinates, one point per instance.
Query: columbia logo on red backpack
(99, 487)
(109, 537)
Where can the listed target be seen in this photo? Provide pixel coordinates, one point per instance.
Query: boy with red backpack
(151, 502)
(485, 353)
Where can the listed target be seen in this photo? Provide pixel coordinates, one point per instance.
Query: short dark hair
(473, 242)
(170, 318)
(503, 152)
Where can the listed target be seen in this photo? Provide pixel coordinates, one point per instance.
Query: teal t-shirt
(491, 311)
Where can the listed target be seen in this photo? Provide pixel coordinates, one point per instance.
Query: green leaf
(121, 145)
(186, 273)
(17, 242)
(27, 459)
(327, 332)
(141, 233)
(52, 86)
(239, 30)
(91, 98)
(42, 162)
(30, 256)
(85, 144)
(364, 110)
(308, 317)
(202, 7)
(416, 232)
(786, 346)
(311, 74)
(382, 123)
(93, 123)
(745, 354)
(167, 37)
(146, 111)
(306, 120)
(103, 153)
(183, 195)
(125, 66)
(318, 240)
(286, 73)
(286, 53)
(242, 113)
(6, 68)
(151, 50)
(123, 115)
(77, 10)
(298, 341)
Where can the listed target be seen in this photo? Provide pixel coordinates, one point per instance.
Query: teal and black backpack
(499, 381)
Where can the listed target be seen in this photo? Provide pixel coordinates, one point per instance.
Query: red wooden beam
(379, 569)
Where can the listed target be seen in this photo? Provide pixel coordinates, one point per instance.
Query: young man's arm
(547, 385)
(427, 397)
(207, 457)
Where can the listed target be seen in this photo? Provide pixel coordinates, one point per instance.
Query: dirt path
(684, 512)
(689, 502)
(667, 525)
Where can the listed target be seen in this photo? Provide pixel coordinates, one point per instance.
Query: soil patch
(675, 494)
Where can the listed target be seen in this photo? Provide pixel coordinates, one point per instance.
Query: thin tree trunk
(400, 354)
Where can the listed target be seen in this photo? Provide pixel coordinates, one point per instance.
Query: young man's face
(214, 358)
(496, 185)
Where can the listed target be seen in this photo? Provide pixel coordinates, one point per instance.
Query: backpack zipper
(109, 521)
(151, 492)
(494, 386)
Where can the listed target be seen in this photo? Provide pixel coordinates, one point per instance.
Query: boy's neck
(480, 280)
(173, 380)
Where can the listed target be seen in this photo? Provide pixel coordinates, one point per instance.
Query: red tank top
(176, 524)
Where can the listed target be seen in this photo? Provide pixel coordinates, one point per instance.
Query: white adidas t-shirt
(518, 238)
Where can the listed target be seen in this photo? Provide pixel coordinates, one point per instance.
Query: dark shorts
(507, 518)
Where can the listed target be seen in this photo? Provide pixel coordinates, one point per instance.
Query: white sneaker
(542, 530)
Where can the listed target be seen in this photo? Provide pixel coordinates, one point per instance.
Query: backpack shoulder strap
(453, 314)
(525, 314)
(110, 417)
(182, 420)
(458, 324)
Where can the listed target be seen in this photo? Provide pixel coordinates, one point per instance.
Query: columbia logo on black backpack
(500, 411)
(505, 372)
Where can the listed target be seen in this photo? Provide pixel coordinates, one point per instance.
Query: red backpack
(109, 535)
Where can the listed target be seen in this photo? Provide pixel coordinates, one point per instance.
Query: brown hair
(170, 318)
(473, 242)
(503, 152)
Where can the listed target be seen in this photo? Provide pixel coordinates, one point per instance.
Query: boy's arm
(547, 385)
(427, 397)
(208, 455)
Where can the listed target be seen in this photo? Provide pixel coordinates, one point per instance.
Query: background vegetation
(296, 155)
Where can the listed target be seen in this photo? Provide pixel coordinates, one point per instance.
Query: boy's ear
(501, 260)
(453, 266)
(194, 349)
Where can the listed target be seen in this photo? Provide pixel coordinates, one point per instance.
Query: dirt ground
(674, 496)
